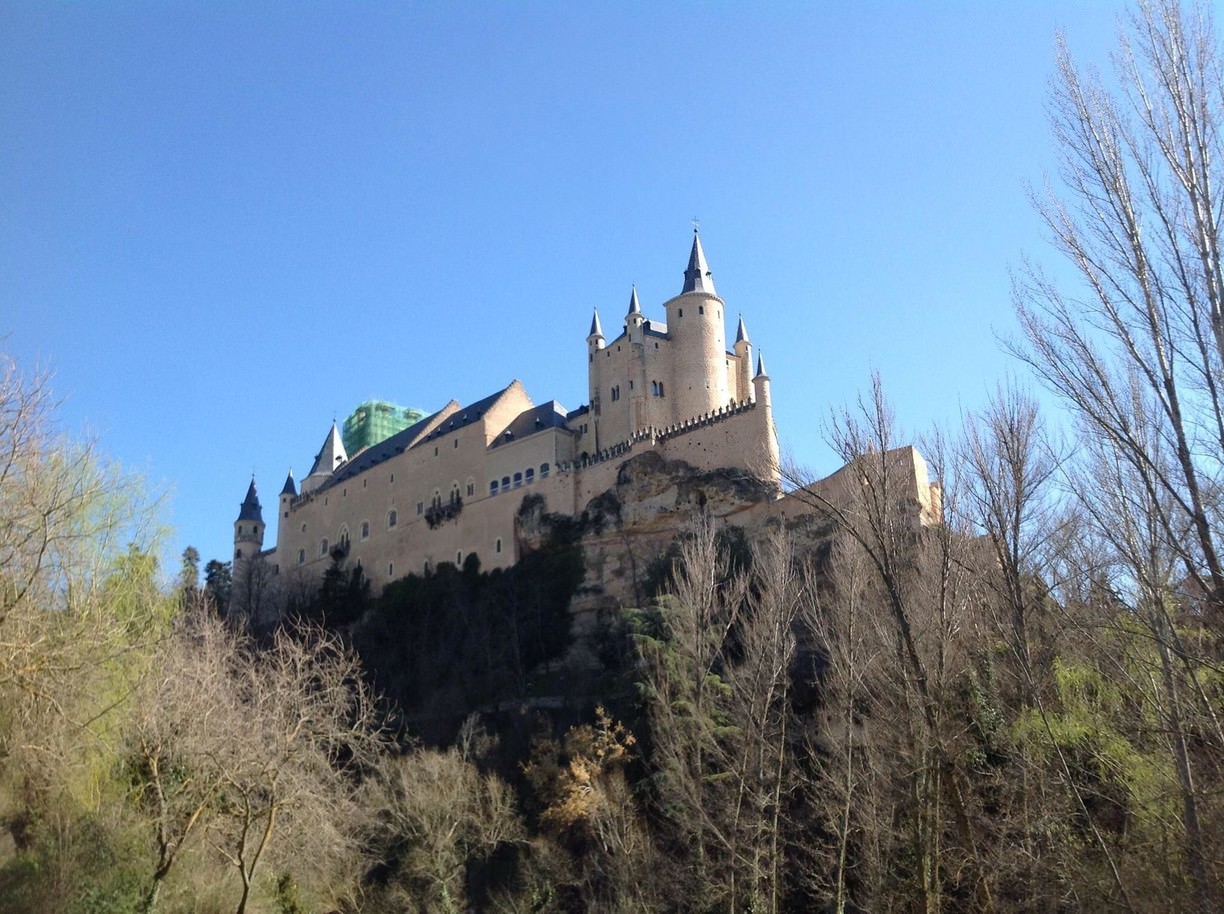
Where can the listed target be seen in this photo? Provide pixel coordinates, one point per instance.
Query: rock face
(627, 528)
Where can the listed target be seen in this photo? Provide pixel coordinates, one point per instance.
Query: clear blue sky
(224, 224)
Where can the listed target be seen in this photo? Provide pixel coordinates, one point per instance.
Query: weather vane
(695, 223)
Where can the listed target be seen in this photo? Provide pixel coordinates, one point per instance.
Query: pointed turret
(743, 364)
(249, 527)
(330, 457)
(290, 488)
(634, 307)
(768, 466)
(596, 327)
(250, 508)
(698, 278)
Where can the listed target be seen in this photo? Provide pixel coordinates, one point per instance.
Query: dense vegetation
(1012, 705)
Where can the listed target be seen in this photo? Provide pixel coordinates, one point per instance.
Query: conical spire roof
(634, 307)
(698, 278)
(331, 455)
(596, 327)
(290, 488)
(741, 332)
(760, 372)
(250, 508)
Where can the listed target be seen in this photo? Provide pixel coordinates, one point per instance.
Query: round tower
(287, 495)
(743, 364)
(249, 527)
(696, 328)
(770, 455)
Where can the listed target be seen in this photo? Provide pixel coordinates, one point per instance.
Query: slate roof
(401, 441)
(250, 509)
(537, 419)
(371, 456)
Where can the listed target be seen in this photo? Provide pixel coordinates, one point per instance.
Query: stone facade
(451, 485)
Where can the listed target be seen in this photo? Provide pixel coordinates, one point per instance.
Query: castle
(450, 486)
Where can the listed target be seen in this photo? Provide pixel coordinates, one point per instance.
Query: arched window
(323, 546)
(343, 540)
(454, 493)
(543, 471)
(238, 554)
(497, 546)
(365, 529)
(493, 487)
(471, 487)
(529, 476)
(505, 482)
(392, 518)
(301, 556)
(518, 480)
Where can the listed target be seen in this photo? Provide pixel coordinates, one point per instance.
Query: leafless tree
(1136, 348)
(442, 813)
(720, 668)
(1137, 345)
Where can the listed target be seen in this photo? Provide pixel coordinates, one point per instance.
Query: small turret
(770, 457)
(760, 383)
(330, 457)
(743, 364)
(595, 339)
(249, 527)
(634, 319)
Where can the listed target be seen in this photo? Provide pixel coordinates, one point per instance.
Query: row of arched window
(523, 478)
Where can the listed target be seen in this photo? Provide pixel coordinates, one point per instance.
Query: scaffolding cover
(375, 421)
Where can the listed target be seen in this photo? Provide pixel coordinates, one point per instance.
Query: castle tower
(699, 341)
(249, 527)
(769, 456)
(287, 494)
(743, 364)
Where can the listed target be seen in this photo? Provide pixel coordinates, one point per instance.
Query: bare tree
(908, 572)
(719, 666)
(1136, 349)
(259, 754)
(441, 815)
(1139, 343)
(304, 731)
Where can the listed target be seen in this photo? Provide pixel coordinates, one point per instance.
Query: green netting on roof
(375, 421)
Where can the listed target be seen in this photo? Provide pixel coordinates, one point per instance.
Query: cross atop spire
(698, 278)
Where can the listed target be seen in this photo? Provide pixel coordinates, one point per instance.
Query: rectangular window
(420, 508)
(365, 530)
